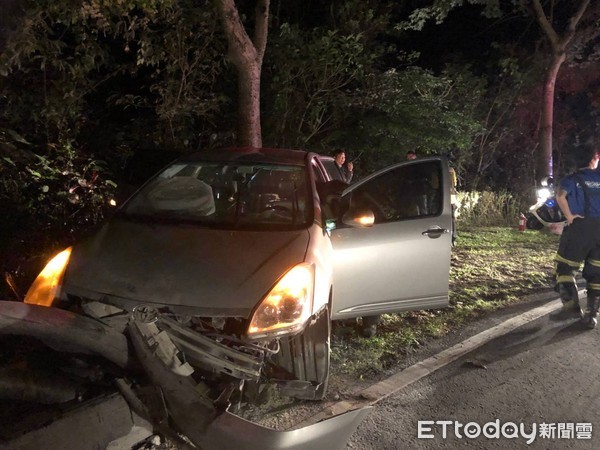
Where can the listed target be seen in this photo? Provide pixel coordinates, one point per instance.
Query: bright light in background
(543, 193)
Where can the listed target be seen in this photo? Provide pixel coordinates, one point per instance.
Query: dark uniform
(580, 243)
(346, 174)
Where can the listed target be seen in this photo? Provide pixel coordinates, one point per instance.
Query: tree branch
(573, 21)
(559, 42)
(540, 15)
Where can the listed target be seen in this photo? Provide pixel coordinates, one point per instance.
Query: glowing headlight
(543, 193)
(45, 287)
(287, 307)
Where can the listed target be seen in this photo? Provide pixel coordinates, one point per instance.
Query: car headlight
(45, 288)
(287, 307)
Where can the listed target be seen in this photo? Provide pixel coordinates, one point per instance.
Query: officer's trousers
(579, 244)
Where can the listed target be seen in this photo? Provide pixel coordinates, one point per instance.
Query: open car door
(402, 262)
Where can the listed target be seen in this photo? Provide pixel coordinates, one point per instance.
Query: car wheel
(306, 357)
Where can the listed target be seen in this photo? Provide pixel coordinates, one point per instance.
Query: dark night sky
(468, 37)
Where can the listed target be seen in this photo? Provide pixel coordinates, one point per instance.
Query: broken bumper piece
(230, 431)
(64, 331)
(205, 352)
(197, 417)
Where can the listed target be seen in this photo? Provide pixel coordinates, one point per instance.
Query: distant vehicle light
(543, 193)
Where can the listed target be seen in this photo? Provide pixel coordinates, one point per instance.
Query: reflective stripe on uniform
(565, 279)
(594, 286)
(574, 264)
(594, 262)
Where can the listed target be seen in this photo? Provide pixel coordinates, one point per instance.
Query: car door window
(408, 192)
(401, 263)
(319, 176)
(332, 169)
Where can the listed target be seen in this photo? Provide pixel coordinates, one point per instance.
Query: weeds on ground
(490, 268)
(485, 208)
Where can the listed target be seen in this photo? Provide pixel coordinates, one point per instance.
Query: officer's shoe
(569, 310)
(590, 319)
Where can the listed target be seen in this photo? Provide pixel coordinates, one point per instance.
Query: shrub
(487, 208)
(60, 192)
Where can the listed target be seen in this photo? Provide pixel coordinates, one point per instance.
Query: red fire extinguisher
(522, 222)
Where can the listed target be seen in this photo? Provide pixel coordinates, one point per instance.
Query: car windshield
(226, 195)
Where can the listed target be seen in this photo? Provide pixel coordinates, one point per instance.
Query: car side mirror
(359, 218)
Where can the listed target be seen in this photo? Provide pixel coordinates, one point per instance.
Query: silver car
(232, 264)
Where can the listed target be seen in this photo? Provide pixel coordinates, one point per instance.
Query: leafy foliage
(413, 109)
(477, 209)
(67, 191)
(162, 58)
(179, 57)
(321, 69)
(439, 10)
(330, 92)
(48, 201)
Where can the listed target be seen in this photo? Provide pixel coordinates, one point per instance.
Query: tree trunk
(247, 56)
(559, 45)
(546, 131)
(248, 121)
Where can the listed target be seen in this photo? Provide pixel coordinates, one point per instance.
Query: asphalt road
(543, 377)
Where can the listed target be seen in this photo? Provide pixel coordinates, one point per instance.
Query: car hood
(215, 272)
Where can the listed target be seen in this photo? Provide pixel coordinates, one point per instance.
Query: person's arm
(349, 172)
(563, 204)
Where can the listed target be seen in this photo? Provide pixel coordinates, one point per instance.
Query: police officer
(579, 199)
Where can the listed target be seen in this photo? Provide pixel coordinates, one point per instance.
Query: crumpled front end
(211, 425)
(218, 352)
(181, 348)
(179, 362)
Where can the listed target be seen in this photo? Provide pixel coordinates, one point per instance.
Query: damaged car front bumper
(158, 349)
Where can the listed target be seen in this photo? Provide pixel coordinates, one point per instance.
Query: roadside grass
(491, 267)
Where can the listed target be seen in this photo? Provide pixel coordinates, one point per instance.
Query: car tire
(307, 357)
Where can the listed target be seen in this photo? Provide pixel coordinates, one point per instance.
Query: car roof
(250, 154)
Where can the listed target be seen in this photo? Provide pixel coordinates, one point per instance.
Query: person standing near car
(422, 186)
(345, 168)
(370, 323)
(579, 199)
(453, 200)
